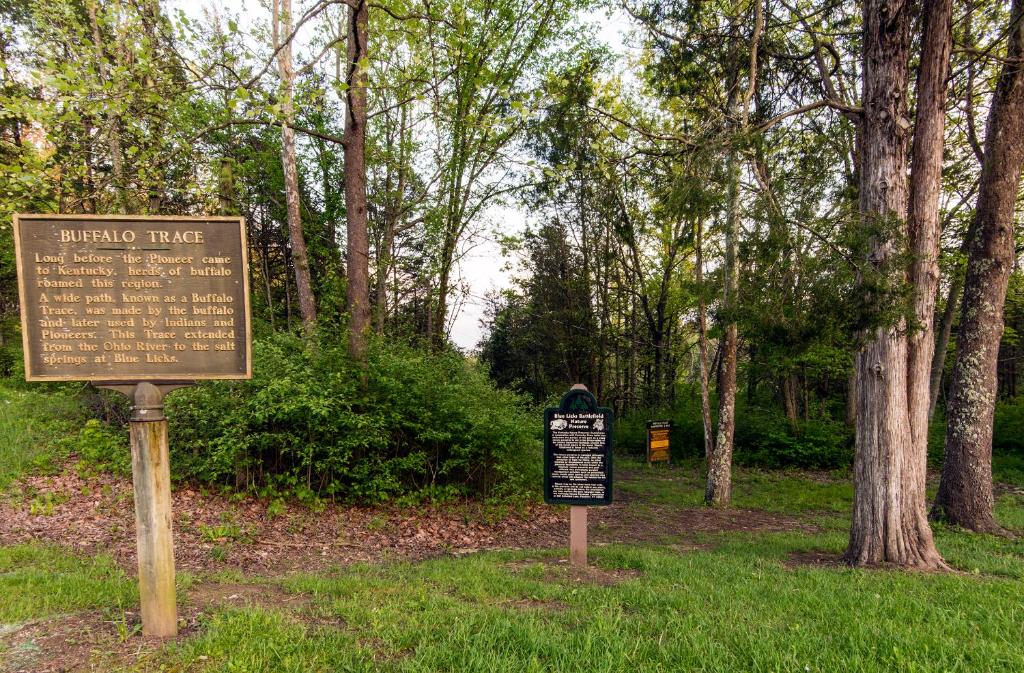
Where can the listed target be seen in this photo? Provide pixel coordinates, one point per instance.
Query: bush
(103, 447)
(685, 441)
(767, 439)
(306, 425)
(764, 437)
(1008, 432)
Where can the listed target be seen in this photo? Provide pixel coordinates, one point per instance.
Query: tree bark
(702, 339)
(965, 491)
(358, 249)
(393, 213)
(923, 219)
(296, 238)
(718, 492)
(790, 400)
(956, 287)
(113, 121)
(890, 521)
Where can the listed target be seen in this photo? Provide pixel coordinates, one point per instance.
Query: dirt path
(213, 532)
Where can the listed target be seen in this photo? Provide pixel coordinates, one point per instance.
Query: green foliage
(104, 447)
(1008, 432)
(305, 425)
(764, 437)
(32, 425)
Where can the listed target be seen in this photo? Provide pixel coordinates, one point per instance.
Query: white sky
(482, 269)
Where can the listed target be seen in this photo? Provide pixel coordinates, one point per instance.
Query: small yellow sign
(658, 433)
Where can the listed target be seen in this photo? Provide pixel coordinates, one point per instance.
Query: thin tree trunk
(965, 491)
(113, 123)
(890, 522)
(296, 238)
(923, 221)
(789, 399)
(718, 492)
(355, 182)
(392, 217)
(702, 340)
(956, 287)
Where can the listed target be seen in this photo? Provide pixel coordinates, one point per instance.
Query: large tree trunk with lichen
(965, 491)
(358, 250)
(296, 237)
(890, 523)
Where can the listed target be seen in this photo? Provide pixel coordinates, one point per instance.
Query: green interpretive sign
(578, 451)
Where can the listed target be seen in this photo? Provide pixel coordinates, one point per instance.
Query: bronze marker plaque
(133, 298)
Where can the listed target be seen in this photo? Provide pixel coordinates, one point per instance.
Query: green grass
(31, 424)
(39, 581)
(772, 491)
(1008, 469)
(739, 607)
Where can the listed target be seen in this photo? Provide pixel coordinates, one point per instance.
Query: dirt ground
(213, 532)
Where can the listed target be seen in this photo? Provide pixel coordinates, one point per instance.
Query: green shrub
(764, 437)
(103, 447)
(767, 439)
(306, 425)
(1008, 432)
(685, 441)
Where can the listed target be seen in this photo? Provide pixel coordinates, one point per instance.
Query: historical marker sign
(658, 433)
(133, 298)
(578, 451)
(142, 305)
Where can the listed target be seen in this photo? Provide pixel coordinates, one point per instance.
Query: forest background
(753, 228)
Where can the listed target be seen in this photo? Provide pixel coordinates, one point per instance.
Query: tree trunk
(393, 210)
(718, 491)
(355, 183)
(890, 522)
(702, 339)
(790, 400)
(965, 491)
(956, 286)
(923, 220)
(113, 122)
(296, 238)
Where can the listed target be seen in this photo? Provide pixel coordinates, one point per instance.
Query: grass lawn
(714, 601)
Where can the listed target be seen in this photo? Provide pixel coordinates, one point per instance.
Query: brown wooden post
(578, 535)
(151, 476)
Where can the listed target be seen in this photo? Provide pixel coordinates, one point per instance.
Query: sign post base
(151, 475)
(578, 536)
